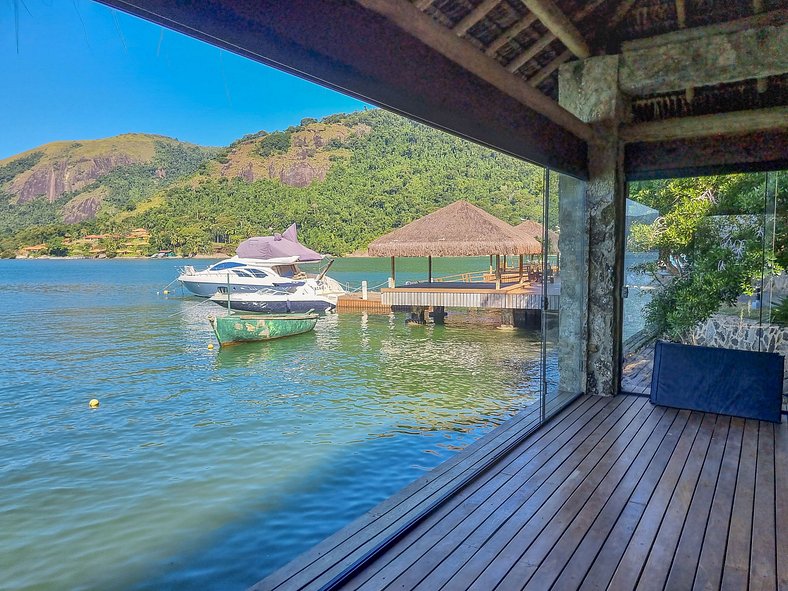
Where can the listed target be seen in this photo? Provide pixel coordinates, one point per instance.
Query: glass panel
(704, 265)
(565, 288)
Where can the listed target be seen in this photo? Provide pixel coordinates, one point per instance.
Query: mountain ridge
(344, 179)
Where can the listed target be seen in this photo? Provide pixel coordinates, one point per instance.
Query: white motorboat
(242, 275)
(267, 263)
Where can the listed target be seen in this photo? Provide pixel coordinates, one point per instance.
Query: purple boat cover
(277, 246)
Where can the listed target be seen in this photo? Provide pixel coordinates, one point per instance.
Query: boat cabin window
(257, 273)
(287, 270)
(241, 273)
(225, 265)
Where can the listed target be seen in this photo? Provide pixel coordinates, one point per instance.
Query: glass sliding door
(704, 264)
(564, 272)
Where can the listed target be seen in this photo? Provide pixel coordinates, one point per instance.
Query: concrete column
(590, 89)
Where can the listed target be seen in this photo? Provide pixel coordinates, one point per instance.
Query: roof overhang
(344, 46)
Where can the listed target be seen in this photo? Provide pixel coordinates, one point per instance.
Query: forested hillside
(344, 180)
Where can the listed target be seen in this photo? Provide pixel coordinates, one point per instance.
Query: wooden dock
(612, 493)
(353, 302)
(515, 296)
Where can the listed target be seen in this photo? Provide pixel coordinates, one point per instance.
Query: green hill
(344, 180)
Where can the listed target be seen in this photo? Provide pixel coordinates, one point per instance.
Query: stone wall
(748, 335)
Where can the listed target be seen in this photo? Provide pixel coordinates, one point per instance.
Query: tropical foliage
(710, 245)
(379, 179)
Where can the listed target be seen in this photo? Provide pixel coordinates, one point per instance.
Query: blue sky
(84, 71)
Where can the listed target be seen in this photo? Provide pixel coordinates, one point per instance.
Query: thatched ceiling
(516, 38)
(461, 230)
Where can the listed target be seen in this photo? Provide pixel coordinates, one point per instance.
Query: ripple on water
(211, 468)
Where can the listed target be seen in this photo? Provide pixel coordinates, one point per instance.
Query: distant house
(29, 251)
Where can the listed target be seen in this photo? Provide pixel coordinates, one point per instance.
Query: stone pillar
(590, 89)
(507, 319)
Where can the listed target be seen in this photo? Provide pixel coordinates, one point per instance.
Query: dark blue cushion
(739, 383)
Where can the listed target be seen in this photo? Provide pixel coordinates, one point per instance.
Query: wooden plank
(781, 501)
(460, 51)
(634, 557)
(708, 575)
(474, 16)
(734, 123)
(599, 553)
(763, 561)
(735, 573)
(559, 25)
(519, 528)
(540, 76)
(530, 53)
(688, 549)
(574, 524)
(328, 557)
(470, 513)
(511, 33)
(664, 543)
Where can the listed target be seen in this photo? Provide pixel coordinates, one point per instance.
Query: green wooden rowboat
(245, 328)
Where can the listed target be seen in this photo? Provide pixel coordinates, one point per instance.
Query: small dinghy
(245, 328)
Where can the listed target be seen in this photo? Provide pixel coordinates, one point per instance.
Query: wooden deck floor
(613, 493)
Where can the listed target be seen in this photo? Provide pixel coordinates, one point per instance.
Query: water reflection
(211, 468)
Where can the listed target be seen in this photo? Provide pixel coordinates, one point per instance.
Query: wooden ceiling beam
(737, 122)
(511, 33)
(753, 152)
(474, 16)
(422, 27)
(560, 26)
(530, 53)
(716, 58)
(540, 76)
(519, 61)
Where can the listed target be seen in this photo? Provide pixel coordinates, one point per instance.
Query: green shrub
(274, 143)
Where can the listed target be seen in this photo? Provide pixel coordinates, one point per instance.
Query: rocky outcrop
(84, 207)
(302, 173)
(64, 176)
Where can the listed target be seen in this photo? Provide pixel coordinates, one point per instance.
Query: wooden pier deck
(516, 296)
(352, 302)
(612, 493)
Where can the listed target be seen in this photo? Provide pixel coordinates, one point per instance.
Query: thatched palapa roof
(459, 229)
(536, 230)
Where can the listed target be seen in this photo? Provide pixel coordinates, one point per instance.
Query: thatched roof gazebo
(459, 230)
(536, 230)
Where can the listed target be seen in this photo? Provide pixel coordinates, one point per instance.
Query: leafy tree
(709, 244)
(277, 142)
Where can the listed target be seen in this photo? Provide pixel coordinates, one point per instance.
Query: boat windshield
(225, 265)
(287, 270)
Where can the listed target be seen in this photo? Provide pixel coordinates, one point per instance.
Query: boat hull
(277, 304)
(234, 329)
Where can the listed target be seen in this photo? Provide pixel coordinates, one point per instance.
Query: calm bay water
(208, 469)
